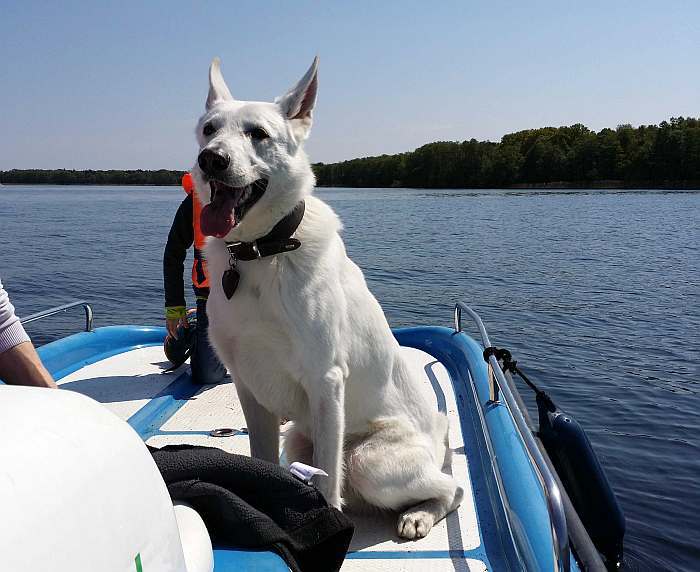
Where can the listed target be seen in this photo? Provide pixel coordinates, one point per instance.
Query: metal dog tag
(229, 281)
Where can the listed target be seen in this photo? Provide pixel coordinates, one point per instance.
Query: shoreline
(558, 186)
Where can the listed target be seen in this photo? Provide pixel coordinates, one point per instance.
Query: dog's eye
(258, 134)
(208, 129)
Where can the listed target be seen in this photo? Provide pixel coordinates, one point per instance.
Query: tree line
(656, 156)
(664, 155)
(90, 177)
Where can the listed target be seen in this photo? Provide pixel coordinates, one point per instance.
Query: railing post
(52, 311)
(88, 317)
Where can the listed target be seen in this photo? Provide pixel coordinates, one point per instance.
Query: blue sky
(120, 84)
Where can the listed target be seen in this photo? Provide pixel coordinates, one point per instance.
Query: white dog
(292, 318)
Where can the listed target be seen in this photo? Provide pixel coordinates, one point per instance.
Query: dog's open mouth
(228, 206)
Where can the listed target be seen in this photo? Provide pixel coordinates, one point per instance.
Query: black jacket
(251, 504)
(180, 239)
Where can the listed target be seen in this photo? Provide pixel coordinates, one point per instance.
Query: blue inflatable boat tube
(69, 354)
(511, 507)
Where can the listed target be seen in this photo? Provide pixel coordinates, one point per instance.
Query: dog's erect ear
(298, 103)
(218, 90)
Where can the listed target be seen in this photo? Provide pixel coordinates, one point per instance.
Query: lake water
(596, 294)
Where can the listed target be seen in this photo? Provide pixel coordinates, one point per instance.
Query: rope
(509, 364)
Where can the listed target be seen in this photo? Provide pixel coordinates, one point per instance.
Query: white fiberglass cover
(78, 489)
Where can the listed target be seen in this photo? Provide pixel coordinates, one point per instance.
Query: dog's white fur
(305, 339)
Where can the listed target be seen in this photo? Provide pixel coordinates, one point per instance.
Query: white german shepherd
(296, 325)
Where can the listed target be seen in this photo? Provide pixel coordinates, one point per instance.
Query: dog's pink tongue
(217, 218)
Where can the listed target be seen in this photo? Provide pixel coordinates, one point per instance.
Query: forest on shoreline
(89, 177)
(649, 156)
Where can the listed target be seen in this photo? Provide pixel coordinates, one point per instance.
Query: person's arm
(21, 365)
(19, 362)
(180, 239)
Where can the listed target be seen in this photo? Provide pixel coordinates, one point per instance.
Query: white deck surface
(126, 382)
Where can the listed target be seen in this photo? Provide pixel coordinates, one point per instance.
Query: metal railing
(59, 309)
(499, 386)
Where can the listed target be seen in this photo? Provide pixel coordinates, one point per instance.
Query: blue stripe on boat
(151, 417)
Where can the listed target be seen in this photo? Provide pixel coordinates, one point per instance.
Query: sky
(120, 85)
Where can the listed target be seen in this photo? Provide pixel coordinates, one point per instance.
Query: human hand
(172, 324)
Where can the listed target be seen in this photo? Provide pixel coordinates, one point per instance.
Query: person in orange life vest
(185, 231)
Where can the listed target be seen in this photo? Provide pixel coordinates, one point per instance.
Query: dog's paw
(329, 492)
(415, 524)
(336, 502)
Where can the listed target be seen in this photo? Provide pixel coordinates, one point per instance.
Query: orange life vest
(200, 277)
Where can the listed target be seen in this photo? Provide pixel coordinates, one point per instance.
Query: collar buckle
(232, 246)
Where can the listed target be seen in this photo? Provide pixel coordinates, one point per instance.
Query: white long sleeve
(11, 331)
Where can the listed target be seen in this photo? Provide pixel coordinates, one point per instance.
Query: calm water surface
(596, 294)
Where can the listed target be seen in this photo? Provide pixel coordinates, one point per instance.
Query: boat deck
(166, 408)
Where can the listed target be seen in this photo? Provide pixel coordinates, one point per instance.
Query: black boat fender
(583, 477)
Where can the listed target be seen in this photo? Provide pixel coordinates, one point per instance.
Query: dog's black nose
(213, 162)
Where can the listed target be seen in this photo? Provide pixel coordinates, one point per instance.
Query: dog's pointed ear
(218, 90)
(298, 103)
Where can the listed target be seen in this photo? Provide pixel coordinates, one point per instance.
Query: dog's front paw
(334, 501)
(329, 492)
(415, 524)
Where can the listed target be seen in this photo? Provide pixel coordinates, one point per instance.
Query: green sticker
(139, 568)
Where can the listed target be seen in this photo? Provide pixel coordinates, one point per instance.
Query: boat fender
(583, 477)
